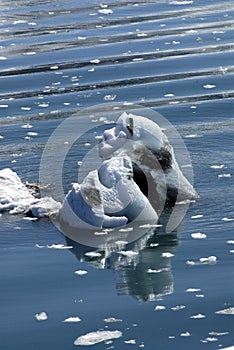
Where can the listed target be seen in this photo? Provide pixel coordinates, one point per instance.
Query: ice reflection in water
(142, 268)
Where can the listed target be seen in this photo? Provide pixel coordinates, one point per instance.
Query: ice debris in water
(221, 166)
(72, 319)
(210, 260)
(198, 316)
(228, 311)
(227, 219)
(160, 308)
(193, 290)
(185, 334)
(197, 216)
(209, 86)
(42, 316)
(81, 272)
(178, 307)
(198, 235)
(112, 320)
(97, 337)
(167, 255)
(130, 341)
(227, 175)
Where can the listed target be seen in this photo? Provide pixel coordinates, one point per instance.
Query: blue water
(145, 51)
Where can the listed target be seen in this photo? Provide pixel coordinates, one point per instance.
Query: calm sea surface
(61, 58)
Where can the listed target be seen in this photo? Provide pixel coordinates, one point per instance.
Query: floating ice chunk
(197, 216)
(178, 307)
(154, 271)
(58, 246)
(185, 334)
(160, 308)
(109, 97)
(218, 334)
(227, 175)
(72, 319)
(198, 316)
(210, 260)
(44, 207)
(112, 320)
(130, 341)
(227, 219)
(228, 311)
(93, 254)
(97, 337)
(229, 348)
(81, 272)
(209, 340)
(198, 235)
(167, 255)
(190, 263)
(200, 296)
(193, 290)
(26, 126)
(105, 11)
(192, 136)
(221, 166)
(42, 316)
(169, 95)
(95, 60)
(230, 242)
(209, 86)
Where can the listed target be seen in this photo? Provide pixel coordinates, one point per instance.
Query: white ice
(97, 337)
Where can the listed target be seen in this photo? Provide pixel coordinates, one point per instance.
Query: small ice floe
(109, 97)
(167, 255)
(160, 308)
(93, 254)
(209, 86)
(112, 320)
(154, 271)
(200, 296)
(198, 235)
(169, 95)
(197, 216)
(97, 337)
(26, 126)
(42, 316)
(198, 316)
(58, 246)
(193, 290)
(105, 11)
(178, 307)
(218, 334)
(227, 219)
(30, 133)
(209, 340)
(227, 175)
(192, 136)
(228, 311)
(130, 341)
(217, 167)
(185, 334)
(211, 260)
(72, 319)
(95, 60)
(190, 263)
(230, 242)
(81, 272)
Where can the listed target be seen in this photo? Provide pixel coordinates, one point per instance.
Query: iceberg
(139, 176)
(19, 198)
